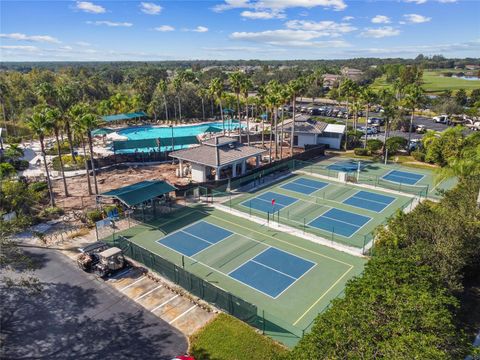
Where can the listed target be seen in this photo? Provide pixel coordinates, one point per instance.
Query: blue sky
(237, 29)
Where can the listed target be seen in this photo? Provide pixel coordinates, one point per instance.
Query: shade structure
(102, 131)
(140, 192)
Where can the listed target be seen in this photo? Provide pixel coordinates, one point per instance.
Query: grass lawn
(435, 83)
(225, 337)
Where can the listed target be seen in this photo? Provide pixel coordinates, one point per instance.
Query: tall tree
(245, 88)
(368, 97)
(53, 115)
(79, 131)
(89, 122)
(235, 80)
(216, 89)
(40, 124)
(295, 87)
(273, 101)
(413, 98)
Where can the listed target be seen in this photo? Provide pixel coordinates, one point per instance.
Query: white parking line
(184, 313)
(136, 281)
(148, 292)
(166, 302)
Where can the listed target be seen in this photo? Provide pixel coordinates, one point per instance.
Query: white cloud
(381, 19)
(262, 15)
(83, 43)
(288, 37)
(19, 47)
(279, 4)
(89, 7)
(164, 28)
(244, 49)
(382, 32)
(323, 28)
(33, 38)
(416, 1)
(150, 8)
(447, 1)
(110, 23)
(200, 29)
(347, 18)
(416, 19)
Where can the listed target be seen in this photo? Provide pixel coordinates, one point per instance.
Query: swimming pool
(165, 132)
(155, 132)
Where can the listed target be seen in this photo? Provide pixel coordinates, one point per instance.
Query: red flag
(273, 202)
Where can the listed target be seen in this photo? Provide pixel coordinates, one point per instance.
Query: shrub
(51, 212)
(20, 165)
(7, 170)
(419, 156)
(395, 143)
(110, 208)
(64, 149)
(68, 163)
(13, 140)
(39, 186)
(374, 144)
(94, 215)
(361, 152)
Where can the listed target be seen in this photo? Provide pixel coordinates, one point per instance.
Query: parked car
(415, 144)
(421, 129)
(441, 119)
(370, 130)
(375, 121)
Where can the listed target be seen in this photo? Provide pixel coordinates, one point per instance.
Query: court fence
(249, 313)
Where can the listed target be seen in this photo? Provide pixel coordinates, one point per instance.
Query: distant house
(472, 67)
(330, 80)
(311, 132)
(352, 74)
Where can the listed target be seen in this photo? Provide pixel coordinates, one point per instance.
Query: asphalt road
(77, 316)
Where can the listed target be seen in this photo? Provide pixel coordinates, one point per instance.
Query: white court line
(136, 281)
(182, 314)
(268, 267)
(347, 237)
(148, 292)
(164, 303)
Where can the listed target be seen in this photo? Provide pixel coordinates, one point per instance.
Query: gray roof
(227, 154)
(220, 140)
(304, 124)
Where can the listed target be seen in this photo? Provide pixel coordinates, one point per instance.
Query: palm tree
(177, 85)
(75, 113)
(236, 79)
(261, 99)
(216, 89)
(202, 94)
(245, 87)
(389, 104)
(66, 97)
(295, 87)
(53, 115)
(162, 88)
(4, 95)
(40, 125)
(346, 90)
(285, 95)
(413, 98)
(89, 122)
(273, 100)
(368, 97)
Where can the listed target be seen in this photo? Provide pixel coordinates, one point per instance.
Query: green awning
(102, 131)
(154, 143)
(138, 193)
(213, 129)
(123, 117)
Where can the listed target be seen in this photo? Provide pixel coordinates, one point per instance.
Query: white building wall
(306, 139)
(333, 143)
(199, 173)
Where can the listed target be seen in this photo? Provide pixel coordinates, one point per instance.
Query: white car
(369, 130)
(441, 119)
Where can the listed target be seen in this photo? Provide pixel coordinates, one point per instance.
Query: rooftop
(140, 192)
(228, 153)
(304, 124)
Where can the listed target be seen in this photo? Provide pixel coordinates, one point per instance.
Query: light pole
(173, 160)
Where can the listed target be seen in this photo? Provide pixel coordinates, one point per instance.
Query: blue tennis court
(403, 177)
(263, 202)
(340, 222)
(272, 271)
(346, 166)
(304, 186)
(195, 238)
(370, 201)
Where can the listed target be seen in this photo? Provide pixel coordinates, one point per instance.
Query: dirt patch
(111, 179)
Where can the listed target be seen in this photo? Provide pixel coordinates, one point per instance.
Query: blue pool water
(155, 132)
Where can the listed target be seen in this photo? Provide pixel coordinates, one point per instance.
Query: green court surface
(341, 213)
(288, 278)
(376, 174)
